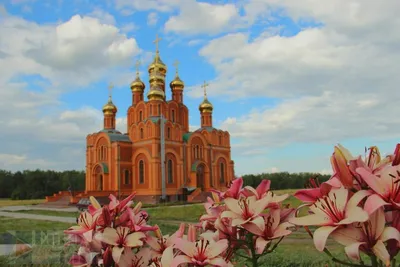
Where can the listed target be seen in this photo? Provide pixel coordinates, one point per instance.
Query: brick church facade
(158, 158)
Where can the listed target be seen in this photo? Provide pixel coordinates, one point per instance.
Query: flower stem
(374, 261)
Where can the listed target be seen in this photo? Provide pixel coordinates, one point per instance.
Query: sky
(288, 79)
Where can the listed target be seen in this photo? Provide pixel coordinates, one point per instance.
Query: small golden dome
(158, 63)
(206, 106)
(177, 83)
(109, 108)
(156, 93)
(137, 85)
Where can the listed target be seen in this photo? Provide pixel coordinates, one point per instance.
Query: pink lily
(166, 258)
(368, 237)
(200, 253)
(139, 259)
(160, 243)
(234, 190)
(273, 229)
(120, 205)
(94, 205)
(86, 226)
(316, 190)
(332, 211)
(386, 188)
(121, 239)
(246, 211)
(213, 212)
(339, 161)
(84, 257)
(261, 190)
(396, 159)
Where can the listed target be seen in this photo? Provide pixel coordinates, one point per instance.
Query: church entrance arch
(100, 182)
(98, 178)
(200, 176)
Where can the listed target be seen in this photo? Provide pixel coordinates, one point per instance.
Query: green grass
(50, 213)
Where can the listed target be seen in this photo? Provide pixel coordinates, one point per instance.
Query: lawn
(9, 202)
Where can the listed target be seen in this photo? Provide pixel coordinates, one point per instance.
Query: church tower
(177, 86)
(109, 111)
(137, 87)
(206, 109)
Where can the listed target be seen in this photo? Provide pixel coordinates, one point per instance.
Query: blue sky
(288, 81)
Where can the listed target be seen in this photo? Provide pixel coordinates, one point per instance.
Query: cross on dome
(137, 65)
(110, 87)
(176, 65)
(156, 41)
(204, 86)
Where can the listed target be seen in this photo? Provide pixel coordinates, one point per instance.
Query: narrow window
(197, 151)
(141, 133)
(140, 115)
(127, 179)
(173, 115)
(222, 174)
(169, 133)
(141, 172)
(220, 140)
(170, 172)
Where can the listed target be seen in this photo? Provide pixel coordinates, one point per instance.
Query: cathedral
(159, 158)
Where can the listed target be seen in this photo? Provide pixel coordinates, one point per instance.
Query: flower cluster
(358, 207)
(240, 219)
(248, 219)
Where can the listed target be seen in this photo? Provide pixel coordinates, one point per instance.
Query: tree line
(36, 184)
(284, 180)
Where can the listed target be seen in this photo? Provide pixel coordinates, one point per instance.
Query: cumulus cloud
(331, 82)
(140, 5)
(53, 59)
(203, 18)
(152, 18)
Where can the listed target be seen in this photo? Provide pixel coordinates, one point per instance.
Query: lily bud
(339, 161)
(396, 160)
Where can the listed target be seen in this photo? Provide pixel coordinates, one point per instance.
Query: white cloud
(152, 18)
(140, 5)
(200, 17)
(129, 27)
(333, 82)
(40, 133)
(103, 16)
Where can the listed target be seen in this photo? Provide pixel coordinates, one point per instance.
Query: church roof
(116, 136)
(186, 136)
(208, 129)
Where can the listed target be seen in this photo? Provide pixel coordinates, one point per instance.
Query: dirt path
(71, 220)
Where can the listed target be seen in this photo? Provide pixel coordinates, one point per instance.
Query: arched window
(127, 178)
(173, 115)
(222, 172)
(220, 139)
(140, 115)
(141, 133)
(170, 172)
(197, 151)
(169, 133)
(141, 172)
(159, 109)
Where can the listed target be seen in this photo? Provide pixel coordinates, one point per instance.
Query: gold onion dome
(157, 63)
(137, 85)
(206, 106)
(109, 108)
(177, 82)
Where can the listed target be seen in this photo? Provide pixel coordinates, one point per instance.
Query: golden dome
(177, 83)
(206, 106)
(158, 63)
(156, 93)
(137, 85)
(109, 108)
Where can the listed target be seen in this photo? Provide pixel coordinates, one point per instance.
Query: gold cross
(110, 87)
(176, 64)
(156, 41)
(204, 86)
(137, 65)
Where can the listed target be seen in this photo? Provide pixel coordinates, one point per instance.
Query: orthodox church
(159, 157)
